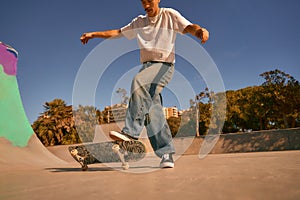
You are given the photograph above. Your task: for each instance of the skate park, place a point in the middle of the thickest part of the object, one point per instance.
(258, 165)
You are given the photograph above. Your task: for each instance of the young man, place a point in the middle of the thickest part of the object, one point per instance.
(156, 33)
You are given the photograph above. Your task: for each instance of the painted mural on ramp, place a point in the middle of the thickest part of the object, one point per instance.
(18, 142)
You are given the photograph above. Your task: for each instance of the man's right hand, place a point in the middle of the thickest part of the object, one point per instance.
(86, 37)
(203, 34)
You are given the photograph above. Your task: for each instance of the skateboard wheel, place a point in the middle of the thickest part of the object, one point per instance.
(125, 166)
(116, 148)
(74, 152)
(84, 168)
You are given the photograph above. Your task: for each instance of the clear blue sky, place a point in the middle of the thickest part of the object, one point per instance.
(248, 37)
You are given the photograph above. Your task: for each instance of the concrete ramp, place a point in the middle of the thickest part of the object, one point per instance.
(33, 155)
(18, 143)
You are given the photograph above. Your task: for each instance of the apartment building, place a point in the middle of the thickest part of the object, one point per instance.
(117, 112)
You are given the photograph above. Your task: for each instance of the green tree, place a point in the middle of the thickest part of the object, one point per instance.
(247, 108)
(123, 93)
(204, 117)
(232, 114)
(174, 124)
(274, 104)
(86, 120)
(282, 91)
(210, 112)
(187, 124)
(55, 125)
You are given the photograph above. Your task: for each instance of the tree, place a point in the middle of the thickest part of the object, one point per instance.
(56, 124)
(283, 97)
(85, 120)
(232, 114)
(174, 124)
(274, 104)
(202, 96)
(124, 97)
(210, 112)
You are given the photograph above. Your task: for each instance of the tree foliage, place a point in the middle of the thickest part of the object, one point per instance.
(56, 125)
(282, 93)
(85, 120)
(273, 105)
(174, 124)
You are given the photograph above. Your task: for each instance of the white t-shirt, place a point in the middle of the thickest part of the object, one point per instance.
(156, 35)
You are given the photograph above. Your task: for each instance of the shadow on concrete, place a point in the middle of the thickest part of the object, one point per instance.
(96, 169)
(71, 169)
(274, 140)
(261, 141)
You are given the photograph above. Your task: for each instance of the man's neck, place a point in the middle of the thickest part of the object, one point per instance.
(155, 13)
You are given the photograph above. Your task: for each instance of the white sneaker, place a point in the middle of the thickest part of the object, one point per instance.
(167, 161)
(120, 136)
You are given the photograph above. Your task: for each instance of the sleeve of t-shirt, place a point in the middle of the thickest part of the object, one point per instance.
(179, 22)
(129, 30)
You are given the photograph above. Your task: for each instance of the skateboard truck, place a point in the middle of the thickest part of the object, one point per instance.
(116, 148)
(80, 159)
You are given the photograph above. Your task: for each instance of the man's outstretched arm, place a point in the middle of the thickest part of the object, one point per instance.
(196, 30)
(100, 34)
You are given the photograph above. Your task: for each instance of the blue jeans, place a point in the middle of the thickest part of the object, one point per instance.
(145, 105)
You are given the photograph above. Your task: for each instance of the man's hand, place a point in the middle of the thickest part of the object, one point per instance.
(196, 30)
(202, 34)
(86, 37)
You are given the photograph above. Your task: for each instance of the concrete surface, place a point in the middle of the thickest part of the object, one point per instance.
(264, 175)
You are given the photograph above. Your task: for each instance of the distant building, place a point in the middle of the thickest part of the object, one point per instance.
(116, 112)
(171, 112)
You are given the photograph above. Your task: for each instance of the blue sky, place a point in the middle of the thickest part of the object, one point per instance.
(248, 37)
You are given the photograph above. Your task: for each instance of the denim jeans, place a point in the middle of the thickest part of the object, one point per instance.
(145, 107)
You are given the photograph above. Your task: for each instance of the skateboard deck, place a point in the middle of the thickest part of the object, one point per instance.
(107, 152)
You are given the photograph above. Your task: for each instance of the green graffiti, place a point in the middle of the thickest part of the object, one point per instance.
(14, 125)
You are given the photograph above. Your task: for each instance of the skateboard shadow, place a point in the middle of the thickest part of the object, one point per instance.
(96, 169)
(70, 169)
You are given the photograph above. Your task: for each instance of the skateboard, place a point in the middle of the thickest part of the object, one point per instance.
(108, 152)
